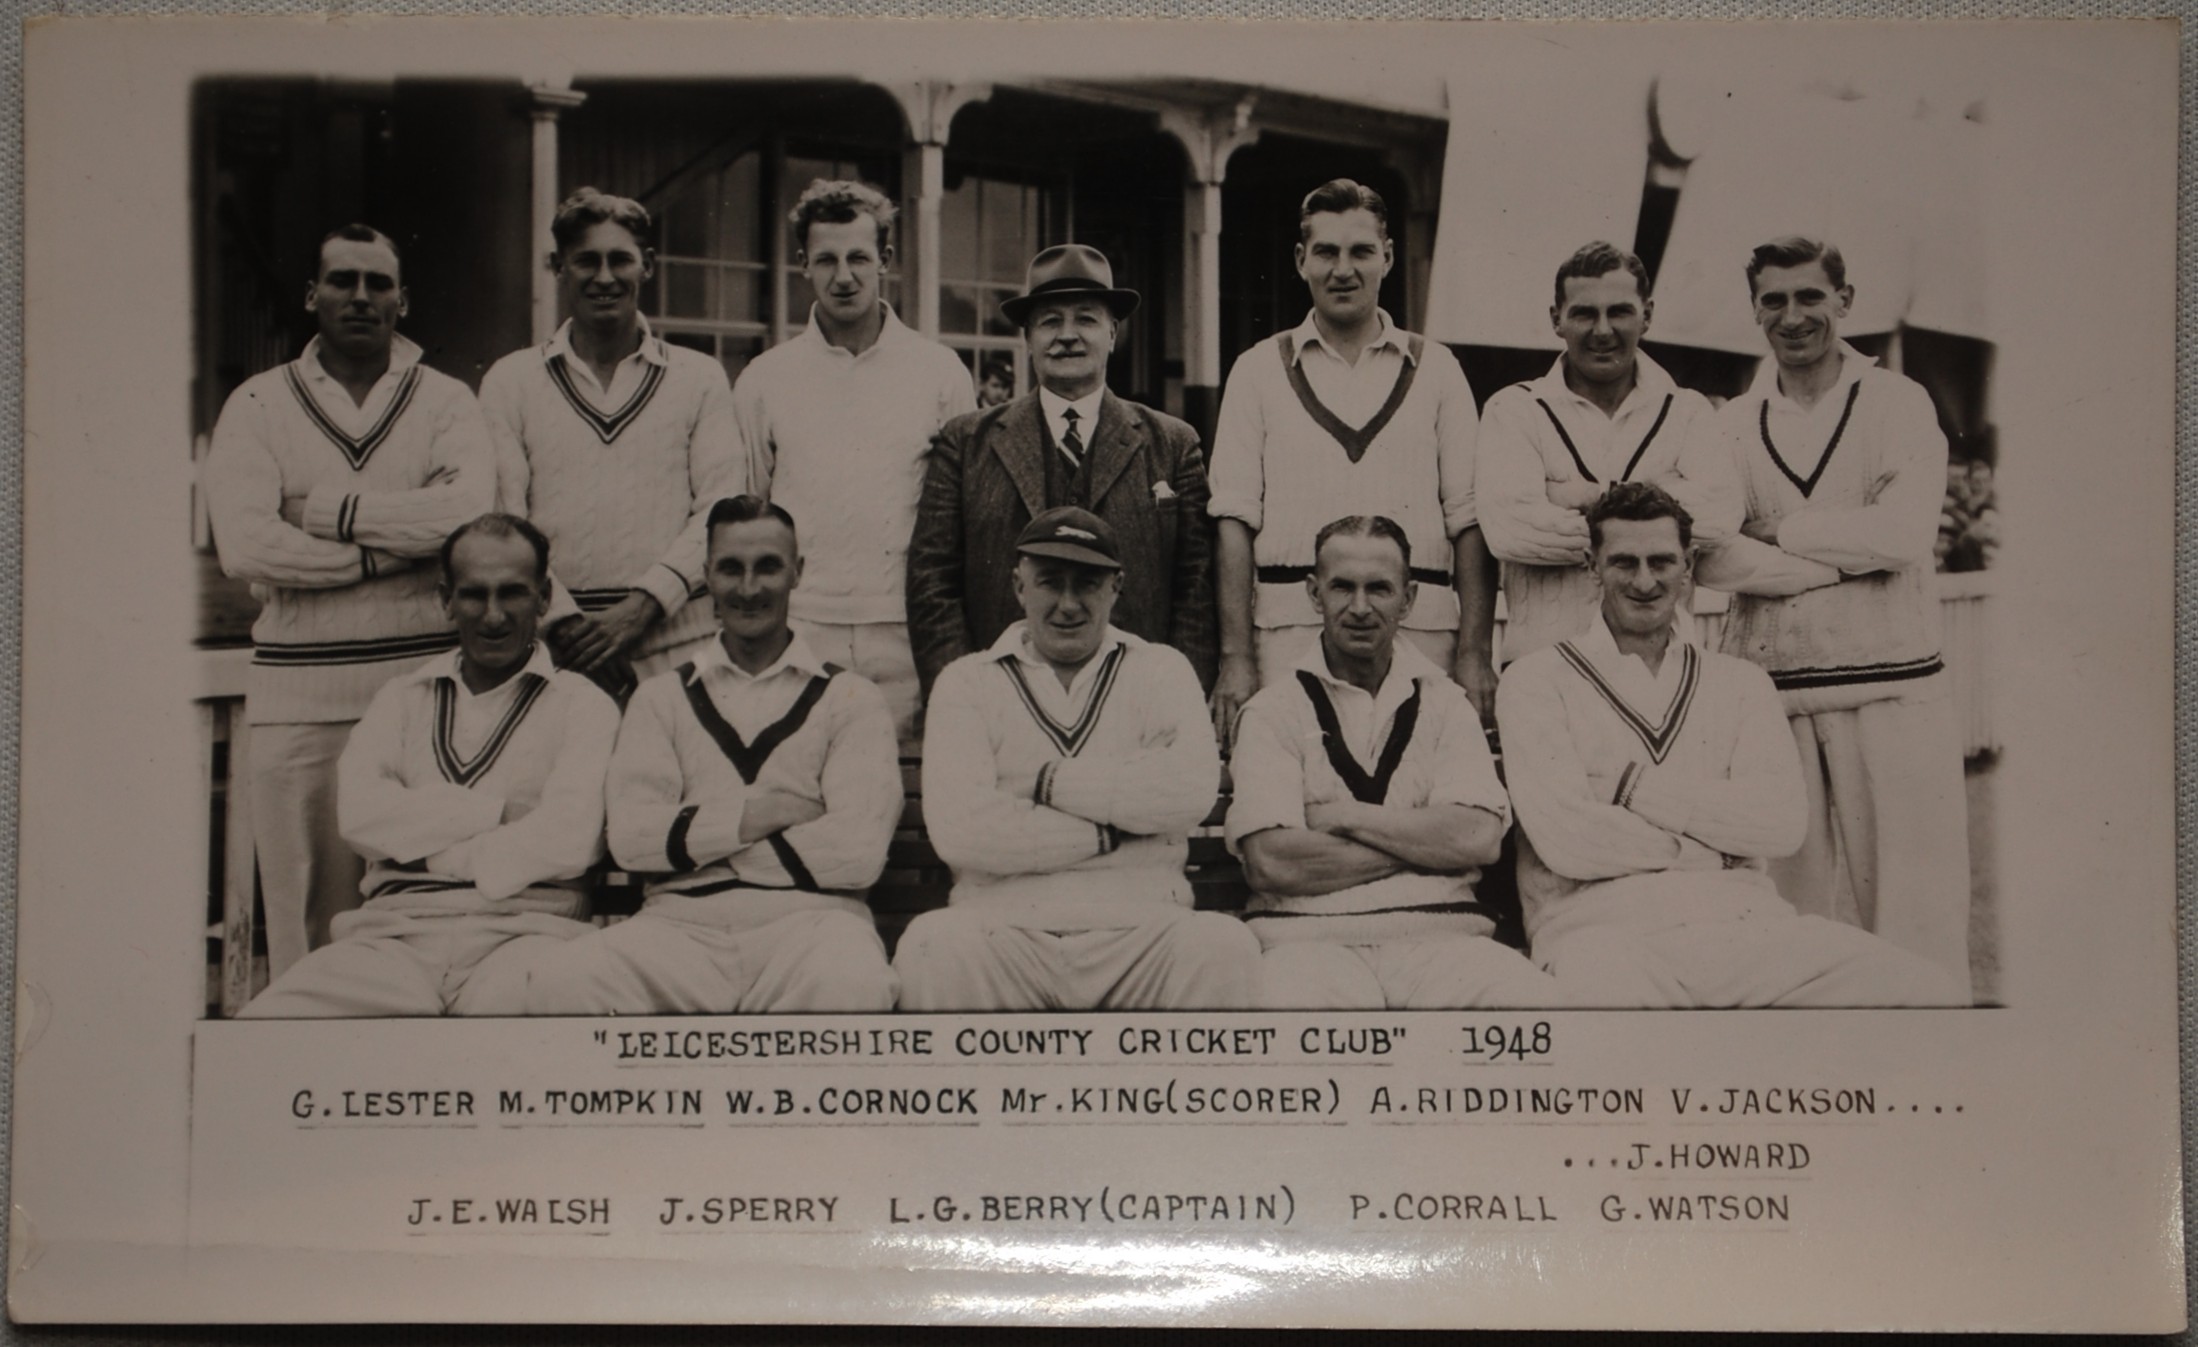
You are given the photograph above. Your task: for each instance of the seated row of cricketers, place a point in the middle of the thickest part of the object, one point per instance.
(1064, 769)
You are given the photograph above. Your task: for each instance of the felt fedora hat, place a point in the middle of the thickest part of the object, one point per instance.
(1069, 271)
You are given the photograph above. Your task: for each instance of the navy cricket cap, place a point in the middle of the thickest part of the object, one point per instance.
(1070, 534)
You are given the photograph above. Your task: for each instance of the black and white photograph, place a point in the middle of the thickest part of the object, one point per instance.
(745, 250)
(767, 654)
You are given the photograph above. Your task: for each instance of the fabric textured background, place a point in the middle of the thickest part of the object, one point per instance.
(11, 497)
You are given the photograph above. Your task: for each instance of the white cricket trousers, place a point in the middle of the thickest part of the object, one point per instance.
(389, 964)
(1888, 843)
(1162, 957)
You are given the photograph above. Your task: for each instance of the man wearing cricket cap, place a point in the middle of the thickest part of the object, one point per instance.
(1069, 441)
(1063, 770)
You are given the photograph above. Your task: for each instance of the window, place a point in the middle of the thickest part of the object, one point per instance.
(989, 229)
(721, 234)
(712, 289)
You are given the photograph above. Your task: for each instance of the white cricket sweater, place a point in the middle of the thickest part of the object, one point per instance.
(838, 440)
(1688, 775)
(335, 511)
(620, 479)
(1416, 743)
(1540, 433)
(1068, 808)
(422, 786)
(1392, 435)
(1855, 484)
(698, 739)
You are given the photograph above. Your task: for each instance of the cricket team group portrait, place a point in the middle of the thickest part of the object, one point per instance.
(854, 516)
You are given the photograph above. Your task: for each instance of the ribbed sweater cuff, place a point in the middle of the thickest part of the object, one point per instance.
(329, 511)
(667, 586)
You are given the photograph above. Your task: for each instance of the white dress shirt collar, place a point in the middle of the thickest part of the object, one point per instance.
(1853, 364)
(450, 666)
(404, 353)
(1086, 408)
(1649, 693)
(1407, 666)
(891, 332)
(796, 658)
(1651, 382)
(651, 350)
(1307, 335)
(1015, 643)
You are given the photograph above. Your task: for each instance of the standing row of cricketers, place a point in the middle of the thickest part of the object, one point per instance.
(1075, 617)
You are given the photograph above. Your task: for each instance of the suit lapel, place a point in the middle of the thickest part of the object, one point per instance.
(1018, 440)
(1115, 442)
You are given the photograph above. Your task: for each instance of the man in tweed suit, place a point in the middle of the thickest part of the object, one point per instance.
(1070, 443)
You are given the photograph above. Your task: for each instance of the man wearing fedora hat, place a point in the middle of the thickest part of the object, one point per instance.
(1063, 770)
(1069, 443)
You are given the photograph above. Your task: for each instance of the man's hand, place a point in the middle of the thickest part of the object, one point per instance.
(1472, 671)
(627, 620)
(582, 643)
(1233, 686)
(568, 636)
(1575, 494)
(1762, 529)
(770, 812)
(293, 511)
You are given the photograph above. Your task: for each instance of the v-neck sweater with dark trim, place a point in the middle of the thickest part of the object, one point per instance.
(1289, 754)
(347, 593)
(1874, 635)
(676, 798)
(1537, 434)
(438, 844)
(1596, 803)
(1282, 473)
(627, 513)
(1068, 820)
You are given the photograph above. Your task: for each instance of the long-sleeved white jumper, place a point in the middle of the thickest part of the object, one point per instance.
(1686, 777)
(431, 769)
(698, 740)
(1855, 484)
(1069, 805)
(621, 478)
(334, 511)
(1538, 434)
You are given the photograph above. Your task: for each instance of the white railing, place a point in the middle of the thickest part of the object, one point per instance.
(219, 693)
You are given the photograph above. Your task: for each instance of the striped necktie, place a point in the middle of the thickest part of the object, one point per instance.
(1072, 444)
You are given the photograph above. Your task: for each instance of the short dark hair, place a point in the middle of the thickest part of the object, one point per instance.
(1337, 196)
(841, 201)
(587, 208)
(746, 509)
(1793, 250)
(1638, 502)
(1600, 259)
(1364, 526)
(494, 525)
(999, 365)
(354, 233)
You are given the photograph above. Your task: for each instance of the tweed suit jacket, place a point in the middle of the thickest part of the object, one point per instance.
(984, 479)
